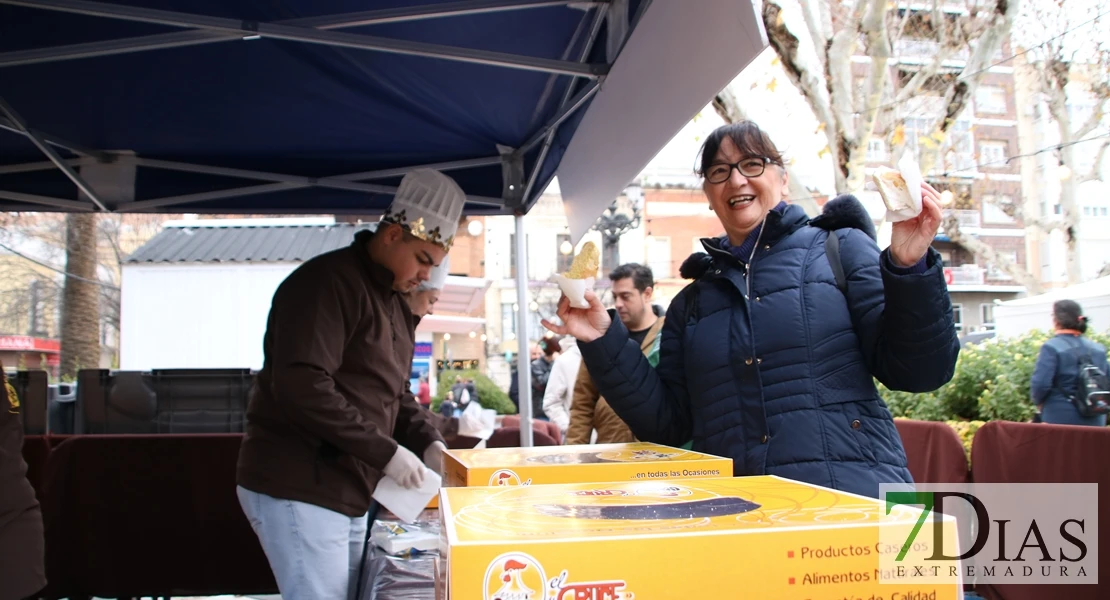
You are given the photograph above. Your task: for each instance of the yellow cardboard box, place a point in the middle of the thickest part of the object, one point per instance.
(751, 537)
(577, 464)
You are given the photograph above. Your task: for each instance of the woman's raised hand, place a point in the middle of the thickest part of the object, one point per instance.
(910, 240)
(584, 324)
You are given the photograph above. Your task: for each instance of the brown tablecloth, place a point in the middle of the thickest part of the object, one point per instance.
(1006, 452)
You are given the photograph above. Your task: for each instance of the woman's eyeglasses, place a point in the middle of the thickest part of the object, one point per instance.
(749, 167)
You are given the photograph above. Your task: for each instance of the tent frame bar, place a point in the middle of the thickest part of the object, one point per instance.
(549, 134)
(74, 205)
(51, 154)
(355, 19)
(252, 29)
(7, 124)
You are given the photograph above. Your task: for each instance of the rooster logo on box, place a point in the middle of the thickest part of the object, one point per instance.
(505, 478)
(515, 576)
(518, 576)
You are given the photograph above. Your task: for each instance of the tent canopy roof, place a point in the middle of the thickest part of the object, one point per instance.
(249, 106)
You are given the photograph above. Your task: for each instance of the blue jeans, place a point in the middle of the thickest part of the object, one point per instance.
(314, 552)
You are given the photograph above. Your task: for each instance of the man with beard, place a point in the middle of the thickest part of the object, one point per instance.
(633, 289)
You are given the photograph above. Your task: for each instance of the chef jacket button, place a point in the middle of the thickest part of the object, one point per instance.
(763, 440)
(856, 424)
(748, 361)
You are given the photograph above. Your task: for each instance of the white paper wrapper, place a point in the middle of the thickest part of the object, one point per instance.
(574, 289)
(405, 503)
(912, 174)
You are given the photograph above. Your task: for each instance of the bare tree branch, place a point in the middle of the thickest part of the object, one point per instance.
(1095, 174)
(819, 29)
(811, 83)
(874, 25)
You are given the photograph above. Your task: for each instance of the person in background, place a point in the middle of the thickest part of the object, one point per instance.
(424, 392)
(332, 411)
(769, 357)
(560, 386)
(22, 543)
(541, 372)
(1056, 373)
(633, 291)
(422, 301)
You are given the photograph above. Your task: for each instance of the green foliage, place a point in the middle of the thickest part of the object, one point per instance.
(489, 395)
(991, 383)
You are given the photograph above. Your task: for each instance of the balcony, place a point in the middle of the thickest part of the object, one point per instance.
(966, 218)
(965, 275)
(919, 50)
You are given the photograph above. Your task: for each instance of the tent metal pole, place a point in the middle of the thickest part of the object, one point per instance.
(523, 366)
(325, 182)
(595, 30)
(467, 163)
(40, 166)
(74, 205)
(316, 36)
(51, 154)
(192, 38)
(57, 141)
(267, 188)
(567, 109)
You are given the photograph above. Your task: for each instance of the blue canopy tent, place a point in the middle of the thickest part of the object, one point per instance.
(254, 106)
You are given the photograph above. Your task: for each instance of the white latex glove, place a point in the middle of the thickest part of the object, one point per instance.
(405, 469)
(433, 457)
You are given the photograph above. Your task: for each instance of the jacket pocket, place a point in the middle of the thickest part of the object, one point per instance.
(860, 431)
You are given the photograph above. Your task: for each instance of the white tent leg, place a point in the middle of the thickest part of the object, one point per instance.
(523, 365)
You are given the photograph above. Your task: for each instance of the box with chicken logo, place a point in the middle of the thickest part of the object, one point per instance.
(577, 464)
(750, 537)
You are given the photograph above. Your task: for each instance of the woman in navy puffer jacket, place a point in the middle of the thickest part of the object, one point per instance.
(764, 358)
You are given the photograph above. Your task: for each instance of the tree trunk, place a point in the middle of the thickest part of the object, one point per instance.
(81, 297)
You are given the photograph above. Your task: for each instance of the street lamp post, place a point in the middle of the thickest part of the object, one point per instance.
(614, 223)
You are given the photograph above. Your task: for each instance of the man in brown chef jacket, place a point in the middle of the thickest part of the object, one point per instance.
(22, 549)
(331, 413)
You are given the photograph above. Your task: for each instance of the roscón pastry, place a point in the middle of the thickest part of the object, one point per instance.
(586, 264)
(892, 188)
(581, 275)
(900, 190)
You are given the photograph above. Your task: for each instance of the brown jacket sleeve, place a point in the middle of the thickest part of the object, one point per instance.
(415, 429)
(582, 408)
(311, 314)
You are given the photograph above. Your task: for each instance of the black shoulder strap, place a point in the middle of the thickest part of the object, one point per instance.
(692, 303)
(832, 251)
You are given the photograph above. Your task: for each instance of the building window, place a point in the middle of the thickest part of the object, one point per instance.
(993, 154)
(958, 316)
(992, 209)
(508, 320)
(946, 258)
(659, 257)
(986, 316)
(876, 150)
(563, 261)
(990, 99)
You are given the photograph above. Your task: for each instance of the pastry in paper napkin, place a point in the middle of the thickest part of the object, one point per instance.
(581, 276)
(900, 189)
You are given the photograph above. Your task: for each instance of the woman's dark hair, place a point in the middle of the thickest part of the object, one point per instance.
(1069, 315)
(749, 139)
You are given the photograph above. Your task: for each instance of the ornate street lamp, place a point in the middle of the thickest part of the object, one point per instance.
(616, 221)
